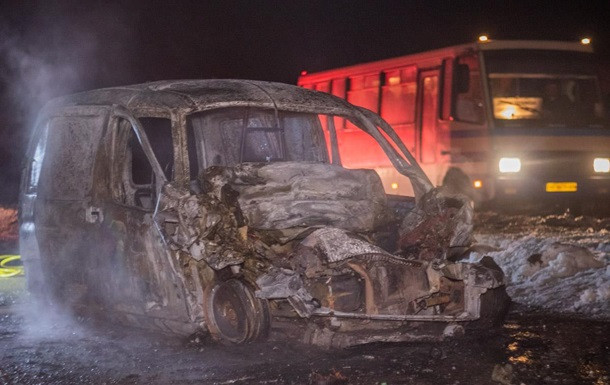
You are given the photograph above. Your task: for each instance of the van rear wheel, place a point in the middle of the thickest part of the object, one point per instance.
(233, 313)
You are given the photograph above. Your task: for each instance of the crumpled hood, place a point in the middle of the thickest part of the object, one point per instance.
(282, 195)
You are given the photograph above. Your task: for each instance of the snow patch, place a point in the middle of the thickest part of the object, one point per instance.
(554, 273)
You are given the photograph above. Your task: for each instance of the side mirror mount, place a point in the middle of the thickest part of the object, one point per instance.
(462, 78)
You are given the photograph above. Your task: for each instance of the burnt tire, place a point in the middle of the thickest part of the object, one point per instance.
(494, 307)
(234, 315)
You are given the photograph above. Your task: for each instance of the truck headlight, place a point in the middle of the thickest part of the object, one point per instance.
(509, 165)
(601, 165)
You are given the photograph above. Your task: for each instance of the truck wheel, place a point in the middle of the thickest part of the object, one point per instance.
(234, 315)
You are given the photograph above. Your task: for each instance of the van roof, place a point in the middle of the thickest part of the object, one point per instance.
(199, 95)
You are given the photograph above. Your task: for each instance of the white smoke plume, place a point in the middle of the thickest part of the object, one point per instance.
(49, 49)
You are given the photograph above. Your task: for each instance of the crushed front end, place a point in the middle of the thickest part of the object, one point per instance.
(303, 249)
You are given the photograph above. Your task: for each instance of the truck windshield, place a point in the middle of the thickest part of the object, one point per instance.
(543, 88)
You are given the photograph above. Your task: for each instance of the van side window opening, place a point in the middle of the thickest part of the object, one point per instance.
(159, 134)
(469, 97)
(137, 182)
(232, 136)
(195, 153)
(141, 170)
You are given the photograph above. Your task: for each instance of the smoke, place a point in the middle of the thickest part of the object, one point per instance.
(50, 49)
(62, 48)
(36, 74)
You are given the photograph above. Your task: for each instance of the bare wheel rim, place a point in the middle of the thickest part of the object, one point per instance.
(260, 317)
(227, 313)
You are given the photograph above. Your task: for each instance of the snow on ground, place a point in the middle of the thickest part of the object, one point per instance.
(559, 264)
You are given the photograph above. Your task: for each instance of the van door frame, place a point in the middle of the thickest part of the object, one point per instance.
(36, 237)
(146, 262)
(54, 231)
(121, 112)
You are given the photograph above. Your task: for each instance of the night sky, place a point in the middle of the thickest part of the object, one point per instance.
(51, 48)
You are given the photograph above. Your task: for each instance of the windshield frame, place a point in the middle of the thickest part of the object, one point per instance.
(365, 120)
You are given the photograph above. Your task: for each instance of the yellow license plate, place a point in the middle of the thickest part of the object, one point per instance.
(561, 187)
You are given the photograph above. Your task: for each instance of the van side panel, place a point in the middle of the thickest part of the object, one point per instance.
(61, 201)
(72, 143)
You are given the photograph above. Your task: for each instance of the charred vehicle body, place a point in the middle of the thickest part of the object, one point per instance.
(222, 206)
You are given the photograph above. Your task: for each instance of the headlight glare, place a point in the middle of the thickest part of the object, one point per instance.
(601, 165)
(509, 165)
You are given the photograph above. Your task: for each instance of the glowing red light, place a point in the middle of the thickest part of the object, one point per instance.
(303, 73)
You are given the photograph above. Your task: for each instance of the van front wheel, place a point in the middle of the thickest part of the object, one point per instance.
(233, 314)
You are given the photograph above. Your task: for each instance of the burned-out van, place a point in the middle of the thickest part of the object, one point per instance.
(222, 206)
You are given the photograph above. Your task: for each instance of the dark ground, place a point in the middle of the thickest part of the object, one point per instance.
(536, 349)
(532, 347)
